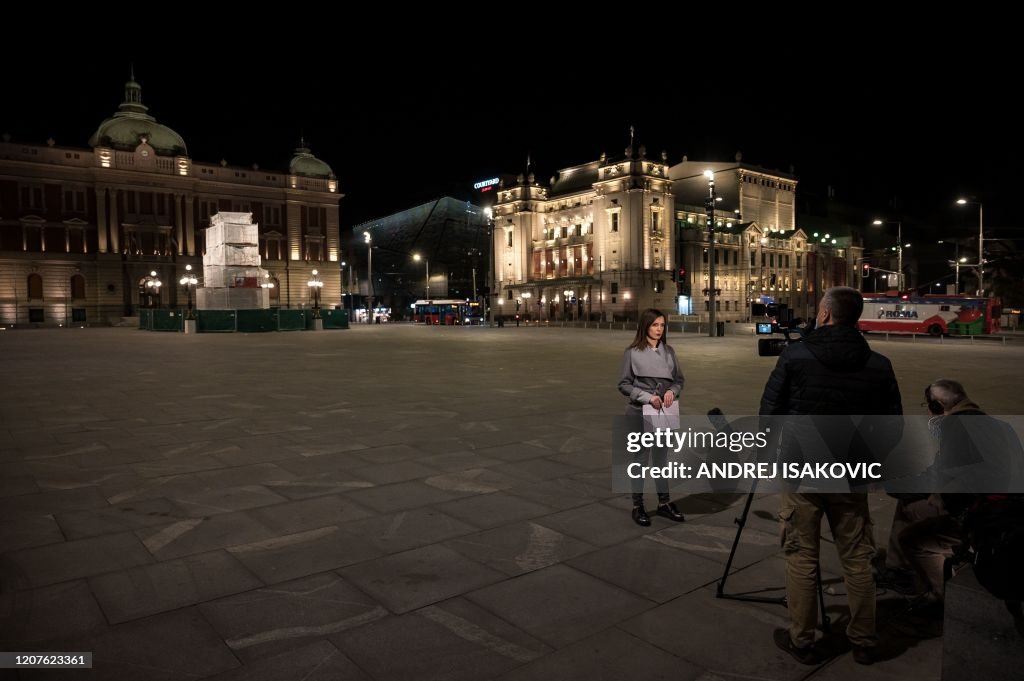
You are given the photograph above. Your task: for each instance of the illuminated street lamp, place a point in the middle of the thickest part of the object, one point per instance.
(188, 281)
(369, 270)
(709, 207)
(315, 285)
(981, 243)
(153, 285)
(417, 258)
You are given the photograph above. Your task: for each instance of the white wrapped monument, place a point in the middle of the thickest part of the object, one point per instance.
(231, 265)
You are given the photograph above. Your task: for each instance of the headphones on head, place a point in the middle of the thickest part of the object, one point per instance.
(934, 406)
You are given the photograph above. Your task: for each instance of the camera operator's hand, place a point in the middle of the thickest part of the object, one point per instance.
(669, 398)
(656, 402)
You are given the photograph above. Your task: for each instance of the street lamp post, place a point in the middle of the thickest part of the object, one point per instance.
(341, 272)
(489, 212)
(956, 262)
(567, 293)
(899, 248)
(153, 285)
(426, 261)
(315, 284)
(709, 206)
(369, 271)
(267, 283)
(189, 281)
(981, 243)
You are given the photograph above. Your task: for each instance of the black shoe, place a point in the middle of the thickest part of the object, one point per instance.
(640, 516)
(670, 511)
(864, 654)
(802, 655)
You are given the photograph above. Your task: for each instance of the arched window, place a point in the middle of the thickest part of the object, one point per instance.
(77, 287)
(35, 287)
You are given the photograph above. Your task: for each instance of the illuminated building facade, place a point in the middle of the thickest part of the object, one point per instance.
(83, 230)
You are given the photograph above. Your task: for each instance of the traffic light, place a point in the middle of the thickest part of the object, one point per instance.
(865, 270)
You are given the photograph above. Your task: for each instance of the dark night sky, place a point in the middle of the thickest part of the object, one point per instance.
(913, 125)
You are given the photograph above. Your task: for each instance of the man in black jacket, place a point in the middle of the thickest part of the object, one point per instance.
(832, 372)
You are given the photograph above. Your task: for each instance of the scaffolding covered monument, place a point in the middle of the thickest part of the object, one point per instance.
(231, 265)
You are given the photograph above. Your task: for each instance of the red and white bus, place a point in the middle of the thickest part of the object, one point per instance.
(932, 314)
(446, 312)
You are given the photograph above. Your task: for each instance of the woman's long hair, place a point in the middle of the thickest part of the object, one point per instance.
(647, 318)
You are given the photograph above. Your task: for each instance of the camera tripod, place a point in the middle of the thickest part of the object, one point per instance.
(718, 419)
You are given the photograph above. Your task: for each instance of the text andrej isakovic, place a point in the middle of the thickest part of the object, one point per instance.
(664, 438)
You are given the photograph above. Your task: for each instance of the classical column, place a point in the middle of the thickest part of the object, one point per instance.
(101, 218)
(115, 223)
(190, 226)
(179, 227)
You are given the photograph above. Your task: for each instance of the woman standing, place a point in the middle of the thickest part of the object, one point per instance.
(651, 375)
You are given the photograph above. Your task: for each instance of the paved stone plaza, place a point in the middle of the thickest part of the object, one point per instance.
(394, 503)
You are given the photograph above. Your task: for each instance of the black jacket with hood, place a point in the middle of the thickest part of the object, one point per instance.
(832, 371)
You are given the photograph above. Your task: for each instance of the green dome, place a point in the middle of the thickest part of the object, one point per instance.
(126, 128)
(305, 163)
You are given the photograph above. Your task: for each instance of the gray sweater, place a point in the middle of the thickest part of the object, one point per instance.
(650, 372)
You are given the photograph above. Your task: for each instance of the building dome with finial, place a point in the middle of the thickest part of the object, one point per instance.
(306, 164)
(131, 125)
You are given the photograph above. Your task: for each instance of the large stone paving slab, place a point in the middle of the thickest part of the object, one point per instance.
(611, 654)
(393, 471)
(56, 563)
(177, 646)
(714, 542)
(207, 502)
(596, 524)
(406, 530)
(411, 580)
(519, 548)
(723, 636)
(404, 496)
(319, 661)
(291, 615)
(198, 535)
(48, 612)
(492, 510)
(560, 605)
(304, 553)
(562, 493)
(27, 529)
(151, 589)
(119, 518)
(649, 568)
(296, 516)
(318, 484)
(451, 641)
(53, 501)
(472, 481)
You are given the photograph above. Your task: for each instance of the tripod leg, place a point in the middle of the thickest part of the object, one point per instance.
(740, 522)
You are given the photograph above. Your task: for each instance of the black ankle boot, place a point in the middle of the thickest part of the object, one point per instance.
(670, 511)
(640, 516)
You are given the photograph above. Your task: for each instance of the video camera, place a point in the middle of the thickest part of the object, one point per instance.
(781, 321)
